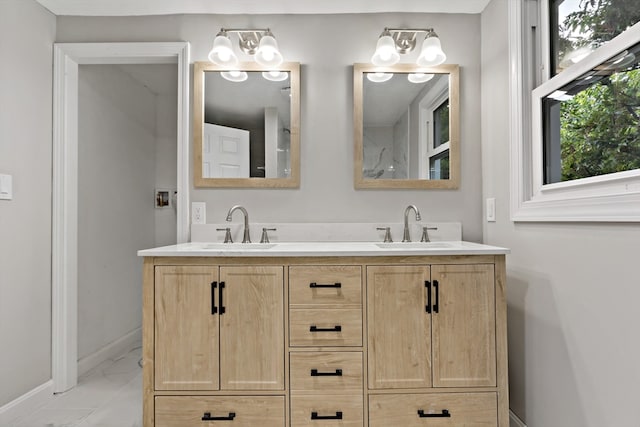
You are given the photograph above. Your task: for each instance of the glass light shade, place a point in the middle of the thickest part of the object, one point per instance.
(419, 77)
(235, 76)
(222, 53)
(431, 53)
(268, 54)
(275, 76)
(379, 77)
(386, 53)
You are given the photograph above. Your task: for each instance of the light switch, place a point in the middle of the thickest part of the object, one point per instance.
(491, 209)
(6, 187)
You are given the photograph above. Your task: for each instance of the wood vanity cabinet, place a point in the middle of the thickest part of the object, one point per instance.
(325, 341)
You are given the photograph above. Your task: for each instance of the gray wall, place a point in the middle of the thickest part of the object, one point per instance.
(116, 214)
(326, 46)
(572, 288)
(27, 32)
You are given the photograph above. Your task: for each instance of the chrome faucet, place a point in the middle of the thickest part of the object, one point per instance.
(407, 237)
(246, 238)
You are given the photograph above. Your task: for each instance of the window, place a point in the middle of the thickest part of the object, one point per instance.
(435, 142)
(576, 136)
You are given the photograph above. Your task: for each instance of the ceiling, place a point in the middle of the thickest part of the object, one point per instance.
(166, 7)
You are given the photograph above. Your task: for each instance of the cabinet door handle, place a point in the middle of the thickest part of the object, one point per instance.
(207, 417)
(222, 309)
(314, 328)
(427, 284)
(337, 373)
(214, 286)
(337, 416)
(319, 285)
(436, 306)
(445, 414)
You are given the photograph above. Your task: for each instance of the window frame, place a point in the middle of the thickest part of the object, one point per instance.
(434, 98)
(606, 198)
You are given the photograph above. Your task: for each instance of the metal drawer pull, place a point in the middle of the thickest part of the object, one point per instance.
(436, 306)
(207, 417)
(314, 328)
(337, 416)
(222, 308)
(319, 285)
(445, 414)
(214, 286)
(337, 373)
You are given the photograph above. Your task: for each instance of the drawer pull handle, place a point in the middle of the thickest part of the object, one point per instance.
(207, 417)
(337, 416)
(445, 414)
(436, 306)
(337, 373)
(427, 284)
(319, 285)
(222, 308)
(214, 286)
(314, 328)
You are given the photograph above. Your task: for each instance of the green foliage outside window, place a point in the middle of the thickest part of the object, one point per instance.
(600, 126)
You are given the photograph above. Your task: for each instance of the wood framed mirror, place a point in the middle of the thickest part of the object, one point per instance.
(406, 126)
(246, 126)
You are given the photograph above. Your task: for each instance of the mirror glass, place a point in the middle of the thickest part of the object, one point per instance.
(246, 126)
(406, 126)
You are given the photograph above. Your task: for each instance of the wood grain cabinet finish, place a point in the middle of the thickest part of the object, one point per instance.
(402, 341)
(219, 330)
(237, 411)
(433, 410)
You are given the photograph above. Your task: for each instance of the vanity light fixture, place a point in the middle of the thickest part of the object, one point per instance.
(234, 76)
(419, 77)
(393, 42)
(275, 75)
(379, 77)
(260, 43)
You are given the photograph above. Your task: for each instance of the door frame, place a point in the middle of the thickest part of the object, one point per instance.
(64, 245)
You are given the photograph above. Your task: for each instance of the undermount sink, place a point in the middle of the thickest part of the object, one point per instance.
(414, 245)
(238, 246)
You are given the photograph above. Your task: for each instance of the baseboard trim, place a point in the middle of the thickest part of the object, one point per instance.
(26, 404)
(514, 421)
(110, 351)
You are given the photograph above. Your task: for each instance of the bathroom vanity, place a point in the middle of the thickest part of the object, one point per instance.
(325, 334)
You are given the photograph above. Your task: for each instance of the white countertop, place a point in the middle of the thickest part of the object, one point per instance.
(317, 249)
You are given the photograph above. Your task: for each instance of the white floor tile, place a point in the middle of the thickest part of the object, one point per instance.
(110, 395)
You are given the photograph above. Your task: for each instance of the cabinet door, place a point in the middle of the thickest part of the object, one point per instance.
(186, 332)
(399, 327)
(464, 343)
(252, 328)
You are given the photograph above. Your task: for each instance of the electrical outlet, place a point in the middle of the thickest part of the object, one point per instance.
(491, 209)
(198, 213)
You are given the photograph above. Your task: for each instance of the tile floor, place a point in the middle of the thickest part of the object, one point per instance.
(110, 395)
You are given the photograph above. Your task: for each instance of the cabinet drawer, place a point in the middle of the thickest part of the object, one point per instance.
(335, 372)
(325, 327)
(326, 410)
(181, 411)
(464, 410)
(325, 285)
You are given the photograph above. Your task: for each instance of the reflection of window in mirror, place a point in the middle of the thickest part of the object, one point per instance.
(435, 139)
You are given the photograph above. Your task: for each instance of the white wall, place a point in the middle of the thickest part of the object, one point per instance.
(116, 214)
(572, 288)
(166, 151)
(326, 46)
(27, 32)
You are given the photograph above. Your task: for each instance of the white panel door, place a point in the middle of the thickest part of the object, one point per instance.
(225, 152)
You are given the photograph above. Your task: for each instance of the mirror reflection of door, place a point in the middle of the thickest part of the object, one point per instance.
(225, 152)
